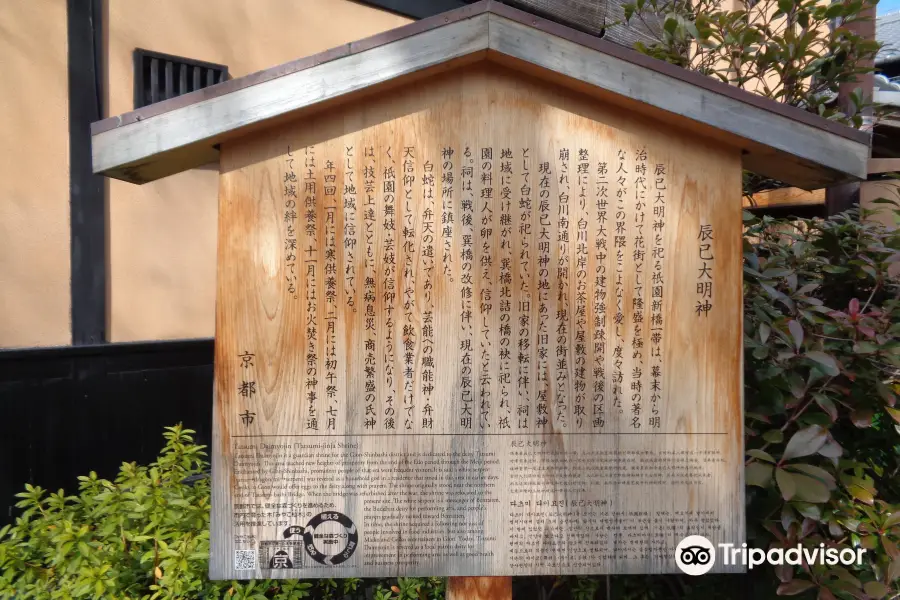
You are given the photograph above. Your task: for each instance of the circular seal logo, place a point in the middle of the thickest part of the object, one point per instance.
(330, 538)
(695, 555)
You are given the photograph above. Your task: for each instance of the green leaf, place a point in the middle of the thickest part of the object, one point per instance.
(861, 494)
(670, 25)
(760, 455)
(805, 442)
(817, 472)
(773, 436)
(796, 330)
(827, 405)
(876, 589)
(810, 489)
(828, 363)
(785, 483)
(759, 474)
(892, 520)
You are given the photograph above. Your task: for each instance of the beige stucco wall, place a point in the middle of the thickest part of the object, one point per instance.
(872, 190)
(34, 175)
(163, 234)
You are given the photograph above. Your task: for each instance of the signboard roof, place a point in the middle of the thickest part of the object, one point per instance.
(777, 140)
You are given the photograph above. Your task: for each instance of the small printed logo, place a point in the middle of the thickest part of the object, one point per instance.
(281, 560)
(329, 538)
(695, 555)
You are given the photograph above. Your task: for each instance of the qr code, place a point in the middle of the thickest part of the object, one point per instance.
(244, 560)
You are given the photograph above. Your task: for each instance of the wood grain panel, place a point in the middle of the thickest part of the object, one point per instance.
(455, 371)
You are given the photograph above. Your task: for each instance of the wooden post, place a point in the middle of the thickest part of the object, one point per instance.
(479, 588)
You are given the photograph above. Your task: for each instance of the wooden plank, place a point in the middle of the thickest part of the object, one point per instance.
(785, 197)
(479, 588)
(606, 19)
(780, 142)
(453, 366)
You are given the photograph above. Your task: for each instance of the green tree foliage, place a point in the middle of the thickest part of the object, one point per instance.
(797, 52)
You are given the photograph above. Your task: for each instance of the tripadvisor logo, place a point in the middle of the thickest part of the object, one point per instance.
(696, 555)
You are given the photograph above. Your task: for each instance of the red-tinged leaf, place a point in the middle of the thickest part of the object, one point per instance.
(890, 547)
(826, 361)
(784, 573)
(853, 308)
(827, 405)
(792, 588)
(893, 570)
(807, 527)
(866, 331)
(861, 494)
(869, 542)
(892, 521)
(805, 442)
(862, 418)
(825, 594)
(796, 330)
(876, 590)
(893, 412)
(785, 483)
(759, 474)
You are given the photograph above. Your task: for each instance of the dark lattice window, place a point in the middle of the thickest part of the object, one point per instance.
(160, 76)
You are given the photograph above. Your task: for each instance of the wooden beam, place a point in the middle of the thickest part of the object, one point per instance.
(785, 197)
(479, 588)
(87, 191)
(417, 9)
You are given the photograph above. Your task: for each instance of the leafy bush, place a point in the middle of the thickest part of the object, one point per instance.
(822, 351)
(145, 535)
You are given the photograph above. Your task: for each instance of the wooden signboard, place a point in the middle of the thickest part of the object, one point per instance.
(475, 327)
(479, 299)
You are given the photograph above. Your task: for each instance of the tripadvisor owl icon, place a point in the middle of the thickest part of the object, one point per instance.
(695, 555)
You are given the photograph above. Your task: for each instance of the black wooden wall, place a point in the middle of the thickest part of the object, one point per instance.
(67, 411)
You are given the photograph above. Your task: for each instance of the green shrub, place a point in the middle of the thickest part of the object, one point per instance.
(144, 535)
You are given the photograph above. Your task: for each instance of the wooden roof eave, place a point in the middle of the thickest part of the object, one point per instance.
(777, 141)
